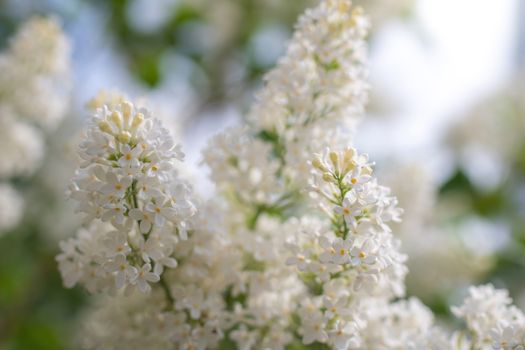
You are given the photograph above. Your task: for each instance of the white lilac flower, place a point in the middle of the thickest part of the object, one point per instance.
(508, 337)
(313, 329)
(277, 338)
(126, 179)
(488, 313)
(365, 254)
(35, 73)
(360, 224)
(394, 325)
(144, 275)
(243, 163)
(343, 336)
(244, 338)
(492, 323)
(121, 269)
(355, 259)
(319, 84)
(22, 147)
(249, 272)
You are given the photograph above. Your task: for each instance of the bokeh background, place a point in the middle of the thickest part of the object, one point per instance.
(446, 127)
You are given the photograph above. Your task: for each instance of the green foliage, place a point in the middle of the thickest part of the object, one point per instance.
(35, 309)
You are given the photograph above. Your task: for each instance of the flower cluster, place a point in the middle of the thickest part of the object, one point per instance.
(258, 266)
(126, 178)
(35, 73)
(34, 97)
(22, 146)
(492, 324)
(354, 259)
(395, 325)
(240, 161)
(319, 84)
(491, 319)
(262, 168)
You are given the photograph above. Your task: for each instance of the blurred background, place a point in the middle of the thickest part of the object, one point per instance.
(446, 128)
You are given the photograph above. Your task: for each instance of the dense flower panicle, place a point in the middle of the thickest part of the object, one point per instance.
(492, 323)
(270, 292)
(353, 259)
(22, 147)
(260, 266)
(127, 179)
(395, 325)
(34, 95)
(242, 164)
(360, 211)
(35, 73)
(492, 319)
(322, 75)
(319, 85)
(196, 317)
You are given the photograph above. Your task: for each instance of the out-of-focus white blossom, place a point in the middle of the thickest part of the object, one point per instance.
(492, 323)
(488, 139)
(427, 240)
(22, 147)
(316, 87)
(381, 12)
(319, 85)
(11, 207)
(127, 179)
(322, 74)
(34, 97)
(239, 160)
(394, 326)
(35, 73)
(491, 319)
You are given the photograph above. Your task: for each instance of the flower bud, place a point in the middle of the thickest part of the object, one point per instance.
(334, 159)
(116, 119)
(105, 127)
(124, 136)
(126, 111)
(139, 118)
(328, 177)
(318, 164)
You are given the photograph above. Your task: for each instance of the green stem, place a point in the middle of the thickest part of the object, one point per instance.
(167, 293)
(252, 220)
(134, 194)
(162, 281)
(340, 199)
